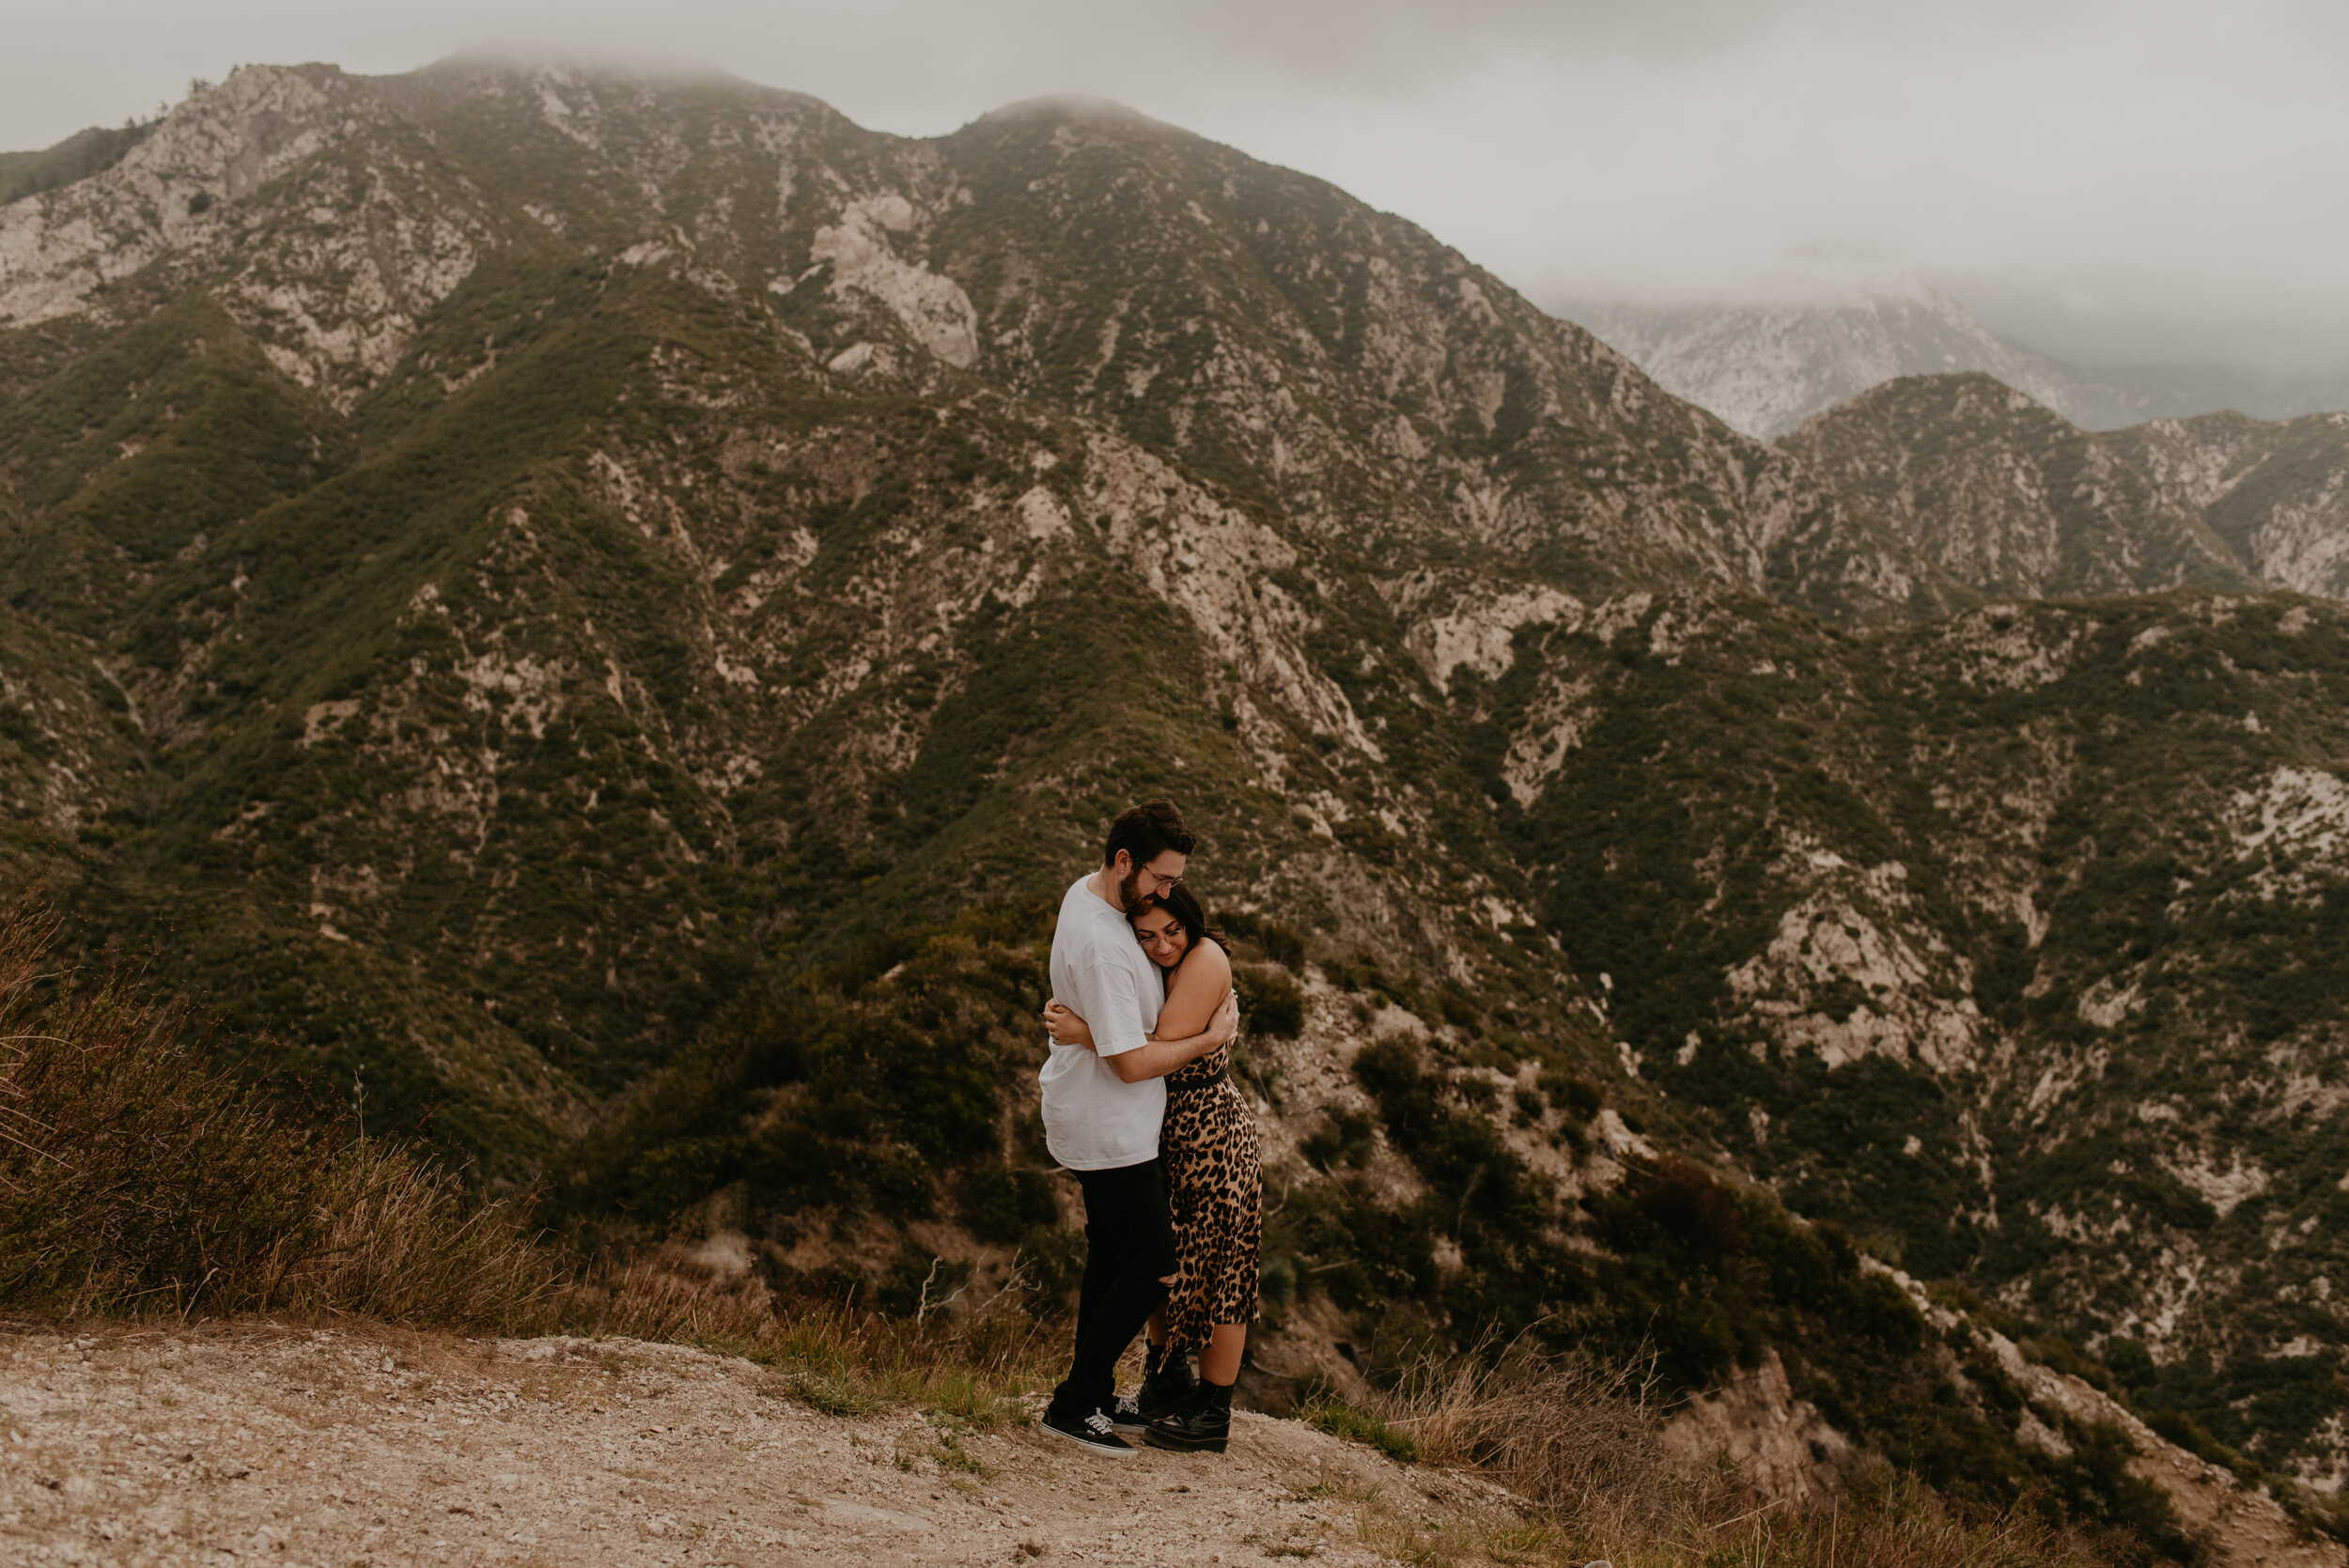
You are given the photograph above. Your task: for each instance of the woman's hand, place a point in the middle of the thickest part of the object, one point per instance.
(1065, 1027)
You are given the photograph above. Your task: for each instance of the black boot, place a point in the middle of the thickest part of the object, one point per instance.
(1167, 1380)
(1202, 1423)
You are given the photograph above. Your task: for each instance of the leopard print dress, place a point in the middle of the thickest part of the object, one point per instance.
(1215, 1191)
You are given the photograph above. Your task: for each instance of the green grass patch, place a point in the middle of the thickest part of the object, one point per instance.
(1356, 1425)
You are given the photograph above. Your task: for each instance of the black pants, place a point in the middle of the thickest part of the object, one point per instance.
(1129, 1245)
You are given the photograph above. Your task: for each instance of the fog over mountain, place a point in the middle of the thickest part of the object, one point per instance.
(1765, 367)
(2108, 182)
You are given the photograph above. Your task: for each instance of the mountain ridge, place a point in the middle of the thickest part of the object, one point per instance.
(2001, 492)
(1765, 367)
(605, 611)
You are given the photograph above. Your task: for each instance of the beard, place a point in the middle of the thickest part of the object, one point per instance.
(1126, 893)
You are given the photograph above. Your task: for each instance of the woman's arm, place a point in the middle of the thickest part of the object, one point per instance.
(1195, 990)
(1064, 1027)
(1160, 1057)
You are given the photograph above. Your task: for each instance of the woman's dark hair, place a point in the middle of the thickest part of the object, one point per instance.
(1148, 830)
(1183, 903)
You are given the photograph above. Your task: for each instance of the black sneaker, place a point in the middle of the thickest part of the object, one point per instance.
(1201, 1424)
(1092, 1429)
(1162, 1390)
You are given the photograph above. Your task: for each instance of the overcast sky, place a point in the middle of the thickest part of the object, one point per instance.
(2109, 180)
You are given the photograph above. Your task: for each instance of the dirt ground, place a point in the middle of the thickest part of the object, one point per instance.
(364, 1446)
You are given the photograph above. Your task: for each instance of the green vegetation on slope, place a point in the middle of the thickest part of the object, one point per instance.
(79, 156)
(633, 732)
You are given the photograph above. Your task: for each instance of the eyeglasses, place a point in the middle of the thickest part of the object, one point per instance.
(1147, 937)
(1166, 884)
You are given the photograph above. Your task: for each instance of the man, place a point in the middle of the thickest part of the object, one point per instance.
(1102, 1109)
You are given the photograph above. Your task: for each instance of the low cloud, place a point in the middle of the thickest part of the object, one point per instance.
(2116, 181)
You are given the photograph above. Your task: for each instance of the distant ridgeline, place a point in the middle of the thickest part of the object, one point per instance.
(78, 157)
(1766, 368)
(606, 611)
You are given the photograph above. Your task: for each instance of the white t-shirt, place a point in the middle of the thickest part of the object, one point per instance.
(1092, 1119)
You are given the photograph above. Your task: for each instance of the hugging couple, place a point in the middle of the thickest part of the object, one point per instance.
(1140, 1105)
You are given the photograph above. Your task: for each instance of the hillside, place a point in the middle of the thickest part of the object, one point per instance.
(1766, 367)
(384, 507)
(2001, 492)
(596, 615)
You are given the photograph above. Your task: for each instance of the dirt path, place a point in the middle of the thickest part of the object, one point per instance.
(364, 1446)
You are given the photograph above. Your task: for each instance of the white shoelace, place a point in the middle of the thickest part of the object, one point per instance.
(1099, 1422)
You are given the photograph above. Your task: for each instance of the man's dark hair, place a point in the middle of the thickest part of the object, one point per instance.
(1148, 830)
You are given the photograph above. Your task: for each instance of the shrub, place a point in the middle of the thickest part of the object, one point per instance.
(1883, 1311)
(1270, 1000)
(1579, 1097)
(1344, 1136)
(1000, 1203)
(1284, 944)
(2054, 1350)
(137, 1174)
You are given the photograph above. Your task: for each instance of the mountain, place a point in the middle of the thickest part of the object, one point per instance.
(1766, 367)
(596, 615)
(1997, 491)
(78, 157)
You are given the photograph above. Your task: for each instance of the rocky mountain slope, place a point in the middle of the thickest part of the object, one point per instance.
(386, 506)
(1766, 367)
(598, 613)
(2002, 493)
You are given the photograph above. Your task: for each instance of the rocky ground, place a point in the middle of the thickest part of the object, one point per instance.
(359, 1445)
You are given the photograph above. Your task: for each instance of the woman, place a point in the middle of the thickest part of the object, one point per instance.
(1215, 1184)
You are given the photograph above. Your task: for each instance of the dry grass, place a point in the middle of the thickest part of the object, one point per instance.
(1577, 1440)
(140, 1178)
(975, 1367)
(1902, 1526)
(395, 1236)
(1579, 1447)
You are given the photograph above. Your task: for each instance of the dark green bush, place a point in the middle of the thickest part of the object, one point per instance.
(1579, 1097)
(1284, 944)
(1271, 1003)
(1345, 1136)
(1001, 1204)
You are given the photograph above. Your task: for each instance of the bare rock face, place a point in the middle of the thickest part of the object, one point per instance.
(2005, 495)
(2273, 491)
(1997, 491)
(1756, 1424)
(174, 190)
(324, 225)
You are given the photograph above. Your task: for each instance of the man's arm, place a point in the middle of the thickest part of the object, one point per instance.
(1162, 1057)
